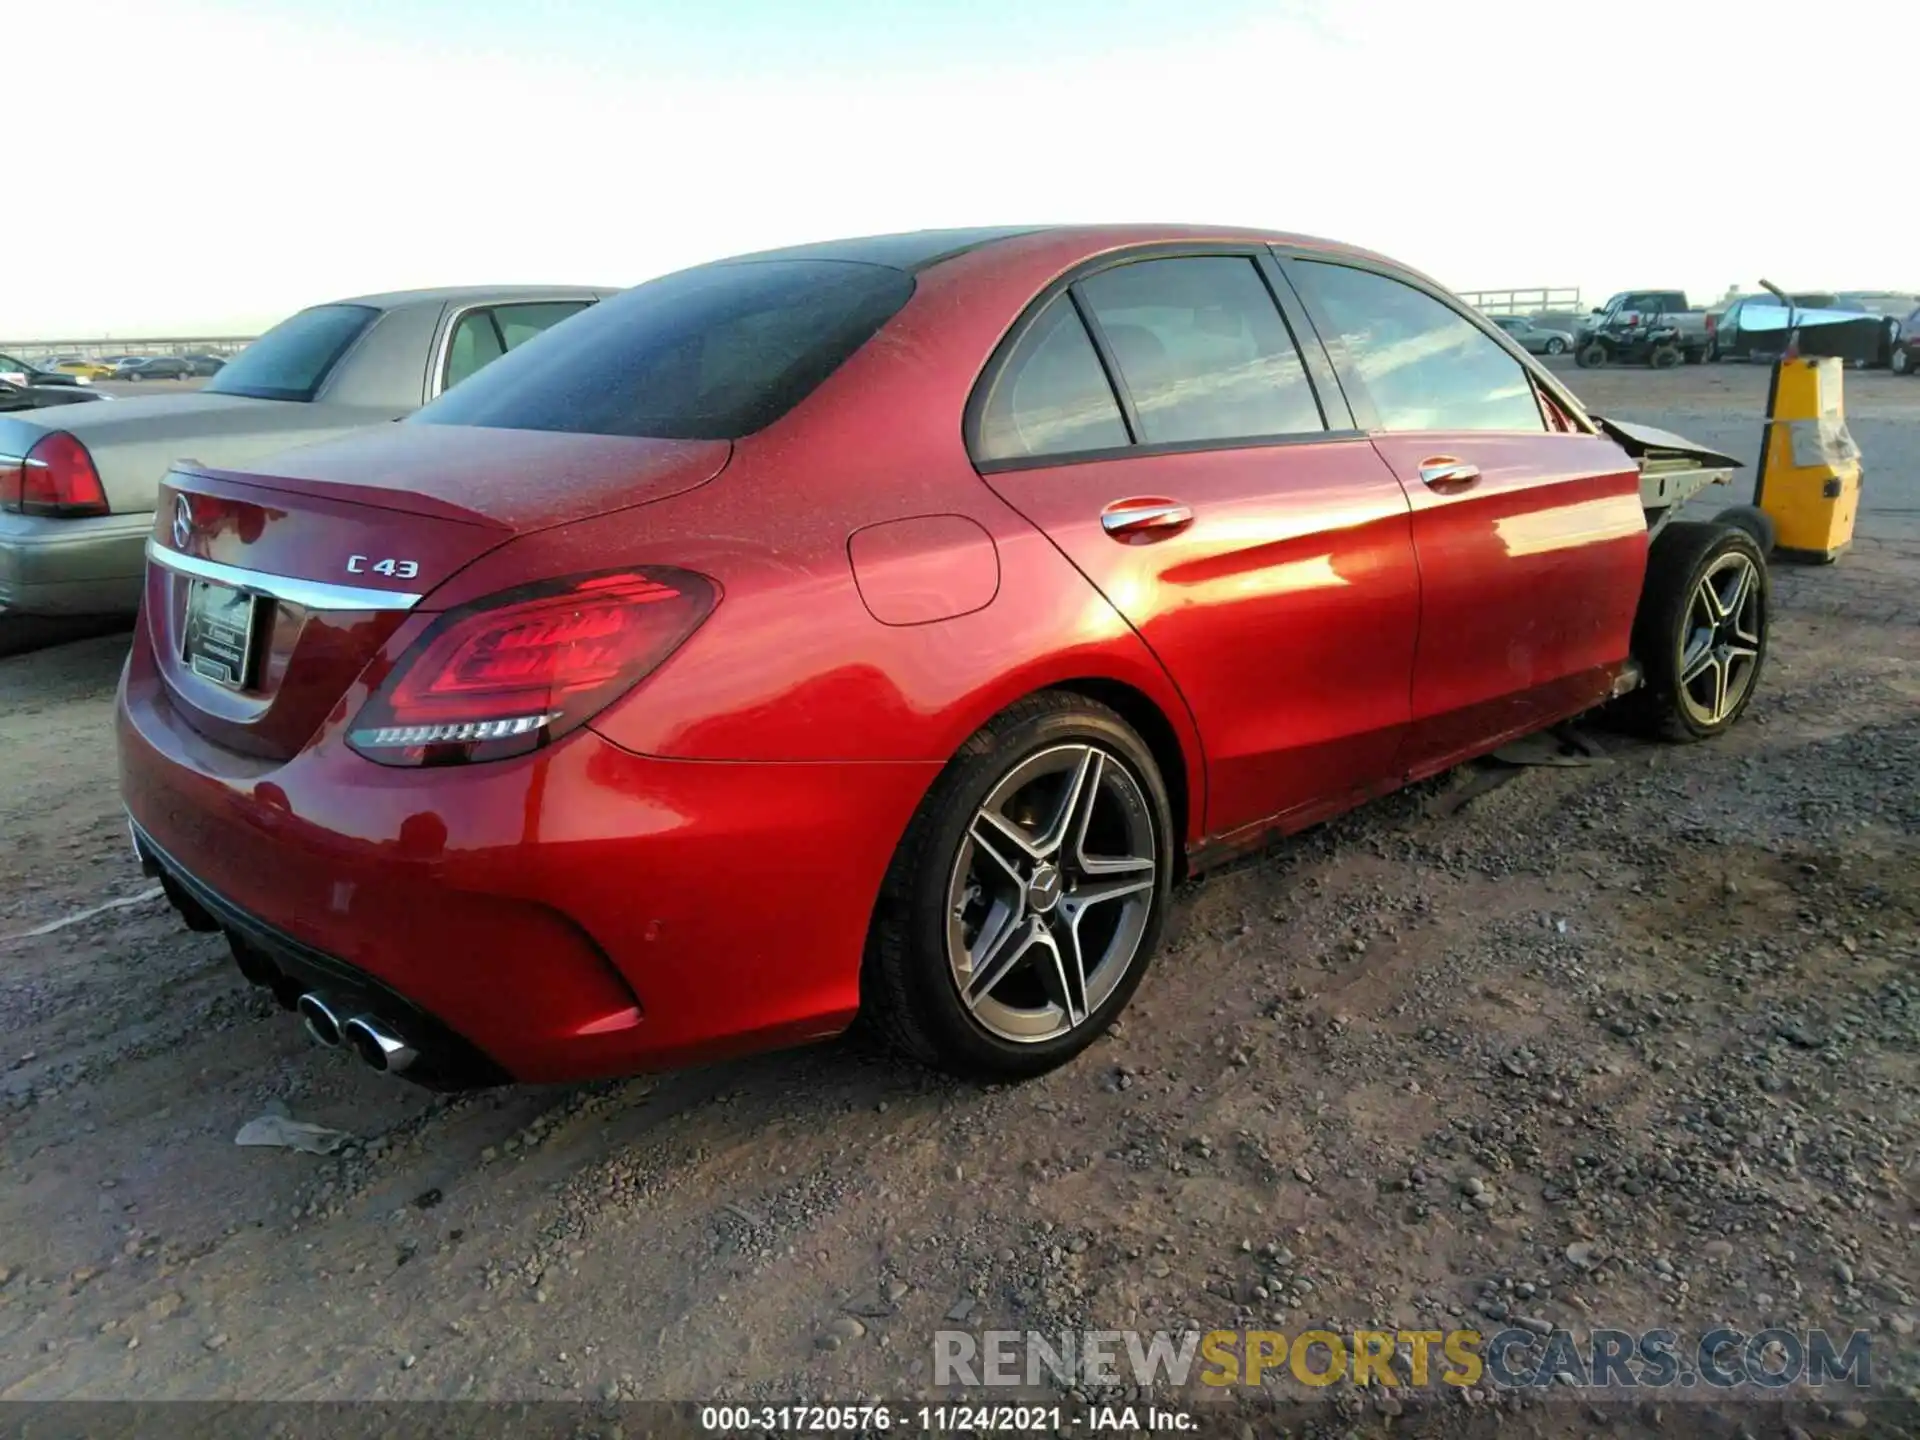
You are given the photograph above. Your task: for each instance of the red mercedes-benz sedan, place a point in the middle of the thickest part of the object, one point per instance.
(876, 627)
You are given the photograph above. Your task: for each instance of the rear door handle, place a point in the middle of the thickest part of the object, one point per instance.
(1443, 472)
(1139, 520)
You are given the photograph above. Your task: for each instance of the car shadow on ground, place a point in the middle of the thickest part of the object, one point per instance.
(21, 633)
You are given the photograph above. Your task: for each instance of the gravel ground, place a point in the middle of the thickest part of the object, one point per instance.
(1627, 1044)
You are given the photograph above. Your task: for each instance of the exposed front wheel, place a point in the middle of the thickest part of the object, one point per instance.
(1027, 896)
(1755, 521)
(1591, 357)
(1701, 632)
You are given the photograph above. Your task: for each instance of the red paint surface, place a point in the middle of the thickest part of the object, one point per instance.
(923, 569)
(1529, 579)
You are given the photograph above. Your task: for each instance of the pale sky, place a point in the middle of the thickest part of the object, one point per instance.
(225, 162)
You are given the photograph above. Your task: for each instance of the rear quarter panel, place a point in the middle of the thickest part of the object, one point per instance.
(794, 666)
(387, 367)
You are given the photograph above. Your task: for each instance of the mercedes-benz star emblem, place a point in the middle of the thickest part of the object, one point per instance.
(182, 521)
(1043, 890)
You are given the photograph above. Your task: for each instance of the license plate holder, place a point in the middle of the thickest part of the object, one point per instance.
(219, 633)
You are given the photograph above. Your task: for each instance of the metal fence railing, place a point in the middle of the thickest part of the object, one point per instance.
(38, 350)
(1539, 300)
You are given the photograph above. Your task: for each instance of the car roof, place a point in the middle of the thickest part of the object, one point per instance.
(922, 249)
(441, 295)
(906, 250)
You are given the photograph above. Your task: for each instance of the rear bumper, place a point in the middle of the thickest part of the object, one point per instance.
(576, 913)
(72, 567)
(269, 956)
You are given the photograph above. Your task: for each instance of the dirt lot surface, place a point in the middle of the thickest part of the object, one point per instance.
(1633, 1044)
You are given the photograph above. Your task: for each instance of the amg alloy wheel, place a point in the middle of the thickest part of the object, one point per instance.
(1721, 652)
(1701, 632)
(1027, 897)
(1050, 893)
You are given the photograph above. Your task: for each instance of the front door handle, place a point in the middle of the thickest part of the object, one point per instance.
(1140, 520)
(1443, 472)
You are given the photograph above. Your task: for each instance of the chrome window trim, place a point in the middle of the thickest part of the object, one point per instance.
(443, 348)
(309, 594)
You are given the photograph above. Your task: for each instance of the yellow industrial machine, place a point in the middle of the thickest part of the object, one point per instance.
(1809, 476)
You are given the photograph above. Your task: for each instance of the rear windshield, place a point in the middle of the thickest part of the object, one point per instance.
(292, 360)
(713, 353)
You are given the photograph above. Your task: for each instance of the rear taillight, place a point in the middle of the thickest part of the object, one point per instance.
(516, 671)
(55, 477)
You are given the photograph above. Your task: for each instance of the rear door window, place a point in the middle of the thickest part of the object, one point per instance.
(482, 336)
(1202, 350)
(1051, 397)
(520, 323)
(1424, 365)
(476, 343)
(713, 353)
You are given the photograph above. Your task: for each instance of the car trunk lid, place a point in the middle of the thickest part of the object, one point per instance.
(133, 440)
(270, 594)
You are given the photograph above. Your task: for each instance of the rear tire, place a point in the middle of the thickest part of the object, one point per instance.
(1701, 632)
(971, 961)
(1556, 346)
(1755, 521)
(1664, 357)
(1900, 362)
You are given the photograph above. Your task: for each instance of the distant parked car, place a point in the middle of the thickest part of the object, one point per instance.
(25, 372)
(1890, 308)
(204, 364)
(154, 367)
(1534, 339)
(1862, 326)
(1752, 322)
(20, 396)
(83, 369)
(320, 373)
(1905, 359)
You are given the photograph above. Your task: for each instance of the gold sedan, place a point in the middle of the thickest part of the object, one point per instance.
(85, 369)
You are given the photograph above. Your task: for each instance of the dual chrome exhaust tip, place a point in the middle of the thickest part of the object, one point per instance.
(368, 1037)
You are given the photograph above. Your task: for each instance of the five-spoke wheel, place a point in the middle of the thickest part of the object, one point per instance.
(1050, 893)
(1701, 632)
(1721, 652)
(1028, 895)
